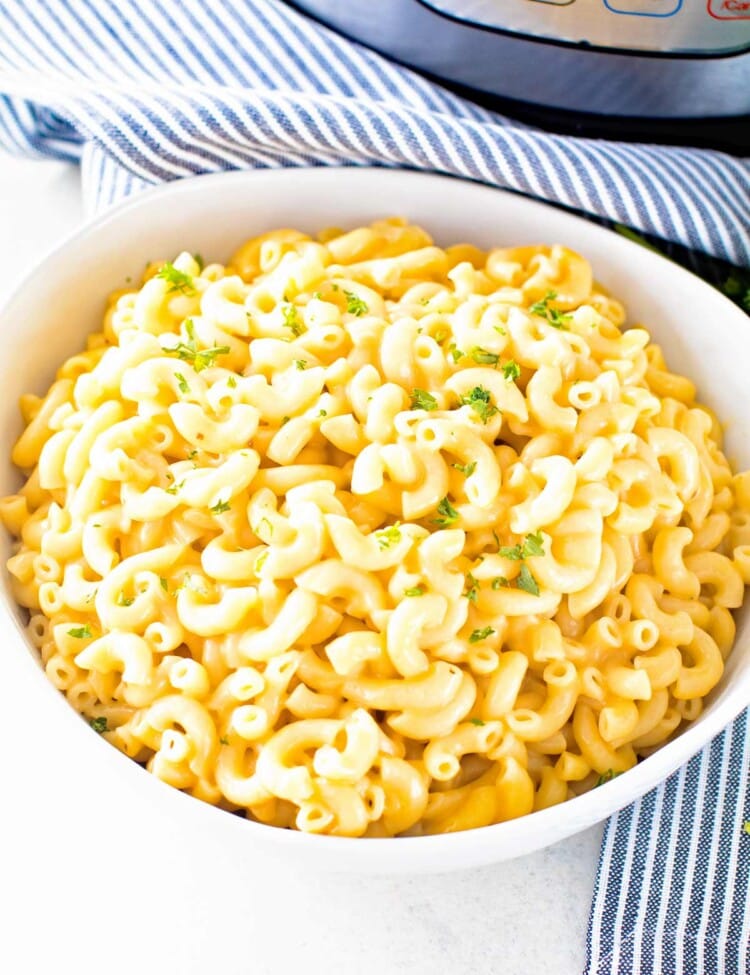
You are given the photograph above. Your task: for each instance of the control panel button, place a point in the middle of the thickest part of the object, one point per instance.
(645, 8)
(729, 9)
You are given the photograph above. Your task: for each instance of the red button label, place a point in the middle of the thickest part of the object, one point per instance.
(729, 9)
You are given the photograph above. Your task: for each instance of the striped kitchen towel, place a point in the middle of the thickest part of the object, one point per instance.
(141, 92)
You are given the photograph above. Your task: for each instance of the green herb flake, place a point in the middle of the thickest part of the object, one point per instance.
(511, 370)
(542, 309)
(388, 536)
(415, 591)
(300, 364)
(261, 560)
(224, 740)
(480, 400)
(441, 335)
(607, 777)
(512, 552)
(81, 632)
(456, 353)
(123, 600)
(163, 583)
(182, 383)
(478, 635)
(99, 725)
(285, 419)
(466, 469)
(500, 582)
(175, 488)
(533, 545)
(220, 507)
(291, 320)
(322, 412)
(199, 261)
(266, 526)
(232, 382)
(355, 305)
(199, 359)
(177, 280)
(527, 582)
(448, 514)
(477, 721)
(422, 400)
(484, 358)
(472, 587)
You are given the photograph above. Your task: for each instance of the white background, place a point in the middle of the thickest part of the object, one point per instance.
(82, 894)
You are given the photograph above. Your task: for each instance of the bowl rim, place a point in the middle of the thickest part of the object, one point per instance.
(581, 811)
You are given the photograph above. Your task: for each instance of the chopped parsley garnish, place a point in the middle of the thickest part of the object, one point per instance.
(500, 582)
(260, 561)
(447, 512)
(422, 400)
(478, 635)
(223, 740)
(123, 600)
(199, 261)
(267, 527)
(182, 383)
(477, 721)
(484, 358)
(480, 400)
(99, 725)
(322, 412)
(189, 352)
(163, 583)
(466, 469)
(533, 545)
(80, 632)
(456, 353)
(541, 308)
(175, 488)
(300, 364)
(355, 305)
(511, 370)
(441, 335)
(527, 582)
(220, 507)
(291, 320)
(231, 382)
(177, 280)
(415, 591)
(192, 454)
(472, 587)
(607, 776)
(388, 536)
(285, 419)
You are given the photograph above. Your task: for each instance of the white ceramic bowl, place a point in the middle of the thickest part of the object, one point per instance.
(703, 334)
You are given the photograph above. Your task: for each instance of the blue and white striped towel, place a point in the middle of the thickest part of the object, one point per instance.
(141, 92)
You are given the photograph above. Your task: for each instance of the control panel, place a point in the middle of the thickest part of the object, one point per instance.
(700, 27)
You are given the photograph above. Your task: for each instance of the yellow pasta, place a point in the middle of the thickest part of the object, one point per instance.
(361, 536)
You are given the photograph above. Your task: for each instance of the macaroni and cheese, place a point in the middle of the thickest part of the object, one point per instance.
(363, 536)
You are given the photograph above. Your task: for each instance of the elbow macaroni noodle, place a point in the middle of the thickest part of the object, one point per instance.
(362, 536)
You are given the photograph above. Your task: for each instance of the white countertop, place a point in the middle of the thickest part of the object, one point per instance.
(73, 902)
